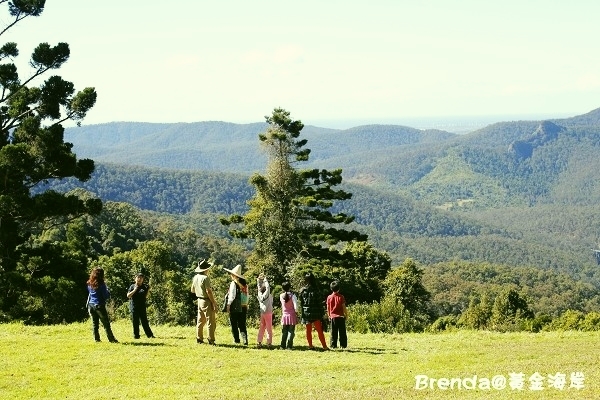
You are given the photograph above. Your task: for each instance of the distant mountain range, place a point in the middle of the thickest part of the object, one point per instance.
(228, 147)
(531, 186)
(519, 162)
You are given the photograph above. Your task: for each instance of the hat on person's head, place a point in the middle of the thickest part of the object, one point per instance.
(237, 271)
(202, 266)
(139, 274)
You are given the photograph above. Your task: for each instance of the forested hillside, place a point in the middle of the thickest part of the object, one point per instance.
(167, 191)
(534, 236)
(227, 147)
(513, 205)
(514, 193)
(519, 163)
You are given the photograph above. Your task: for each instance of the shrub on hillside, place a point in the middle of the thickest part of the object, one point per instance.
(539, 322)
(591, 322)
(479, 312)
(386, 316)
(445, 323)
(568, 321)
(572, 320)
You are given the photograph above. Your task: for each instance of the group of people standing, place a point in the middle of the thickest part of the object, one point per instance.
(312, 308)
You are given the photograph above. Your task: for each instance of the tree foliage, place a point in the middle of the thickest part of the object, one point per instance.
(360, 272)
(32, 152)
(458, 285)
(290, 220)
(509, 308)
(404, 285)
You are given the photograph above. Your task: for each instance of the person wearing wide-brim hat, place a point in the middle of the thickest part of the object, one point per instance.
(237, 304)
(201, 288)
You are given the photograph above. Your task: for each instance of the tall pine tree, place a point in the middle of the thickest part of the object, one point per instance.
(289, 219)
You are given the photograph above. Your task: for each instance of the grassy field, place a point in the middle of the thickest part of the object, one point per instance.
(63, 362)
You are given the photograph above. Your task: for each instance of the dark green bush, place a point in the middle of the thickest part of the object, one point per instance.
(444, 323)
(386, 316)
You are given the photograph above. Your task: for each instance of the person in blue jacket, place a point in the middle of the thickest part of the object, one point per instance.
(98, 295)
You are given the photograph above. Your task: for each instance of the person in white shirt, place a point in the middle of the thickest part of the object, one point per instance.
(265, 303)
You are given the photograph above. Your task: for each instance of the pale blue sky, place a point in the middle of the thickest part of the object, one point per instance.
(373, 61)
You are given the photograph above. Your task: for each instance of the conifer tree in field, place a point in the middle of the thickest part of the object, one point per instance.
(289, 219)
(33, 152)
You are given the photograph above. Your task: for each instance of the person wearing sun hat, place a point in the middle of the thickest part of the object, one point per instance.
(201, 288)
(237, 304)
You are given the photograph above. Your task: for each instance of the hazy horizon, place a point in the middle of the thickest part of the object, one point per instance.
(454, 124)
(458, 124)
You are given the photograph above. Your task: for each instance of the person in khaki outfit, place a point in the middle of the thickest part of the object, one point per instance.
(207, 305)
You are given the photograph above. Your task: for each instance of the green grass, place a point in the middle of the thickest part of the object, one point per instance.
(63, 362)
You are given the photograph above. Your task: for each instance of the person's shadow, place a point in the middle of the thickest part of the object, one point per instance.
(144, 344)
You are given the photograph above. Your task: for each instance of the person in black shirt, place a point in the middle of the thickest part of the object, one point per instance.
(313, 310)
(137, 294)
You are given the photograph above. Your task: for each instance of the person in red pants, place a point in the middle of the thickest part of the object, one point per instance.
(313, 310)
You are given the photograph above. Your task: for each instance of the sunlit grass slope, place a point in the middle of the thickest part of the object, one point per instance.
(63, 362)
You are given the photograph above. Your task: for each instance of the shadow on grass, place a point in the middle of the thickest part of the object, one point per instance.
(145, 344)
(369, 350)
(275, 347)
(264, 348)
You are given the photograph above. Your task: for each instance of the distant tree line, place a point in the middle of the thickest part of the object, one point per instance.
(529, 236)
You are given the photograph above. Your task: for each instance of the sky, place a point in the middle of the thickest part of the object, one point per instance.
(330, 63)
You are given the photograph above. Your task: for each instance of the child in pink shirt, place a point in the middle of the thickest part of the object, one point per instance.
(289, 319)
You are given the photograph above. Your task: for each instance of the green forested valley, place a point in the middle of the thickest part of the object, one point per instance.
(430, 195)
(513, 205)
